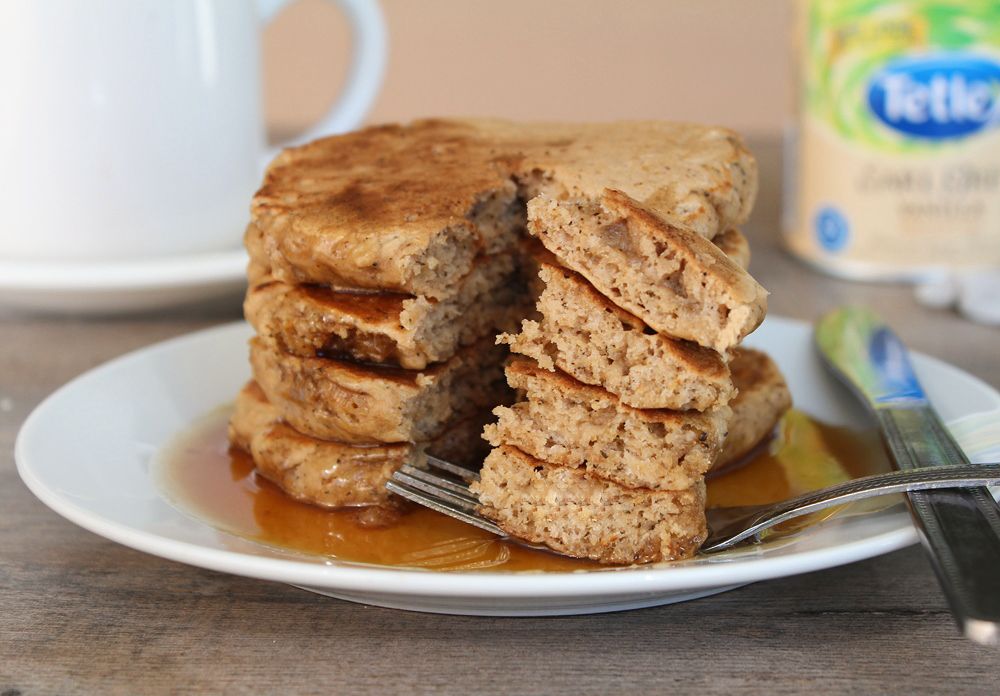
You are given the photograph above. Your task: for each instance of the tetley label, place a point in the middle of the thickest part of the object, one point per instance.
(937, 97)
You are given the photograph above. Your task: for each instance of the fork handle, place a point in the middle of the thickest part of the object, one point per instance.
(734, 525)
(959, 528)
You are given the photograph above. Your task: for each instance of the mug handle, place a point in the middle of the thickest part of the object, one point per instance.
(364, 76)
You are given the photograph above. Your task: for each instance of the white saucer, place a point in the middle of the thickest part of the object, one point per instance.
(115, 287)
(91, 452)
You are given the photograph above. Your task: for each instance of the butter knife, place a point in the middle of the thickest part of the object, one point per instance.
(959, 528)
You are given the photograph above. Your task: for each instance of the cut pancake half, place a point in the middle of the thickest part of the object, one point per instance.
(427, 248)
(350, 402)
(676, 281)
(566, 422)
(331, 474)
(579, 514)
(590, 338)
(389, 328)
(336, 474)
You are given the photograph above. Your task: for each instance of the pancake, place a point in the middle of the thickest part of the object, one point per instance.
(331, 474)
(574, 512)
(566, 422)
(364, 404)
(334, 474)
(389, 328)
(762, 400)
(676, 281)
(586, 335)
(409, 208)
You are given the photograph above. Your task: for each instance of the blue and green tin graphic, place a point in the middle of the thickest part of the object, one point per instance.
(897, 168)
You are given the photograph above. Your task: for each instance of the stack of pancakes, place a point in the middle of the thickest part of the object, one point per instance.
(627, 383)
(383, 263)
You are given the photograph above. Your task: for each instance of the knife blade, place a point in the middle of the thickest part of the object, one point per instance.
(959, 529)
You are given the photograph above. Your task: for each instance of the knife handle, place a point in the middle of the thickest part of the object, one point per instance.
(960, 529)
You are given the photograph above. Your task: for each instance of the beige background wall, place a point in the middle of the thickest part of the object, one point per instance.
(721, 61)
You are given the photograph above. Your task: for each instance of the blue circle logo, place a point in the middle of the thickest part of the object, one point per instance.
(832, 230)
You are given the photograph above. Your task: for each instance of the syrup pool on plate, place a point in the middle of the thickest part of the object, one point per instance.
(217, 484)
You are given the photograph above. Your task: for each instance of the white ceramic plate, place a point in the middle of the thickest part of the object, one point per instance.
(90, 451)
(116, 287)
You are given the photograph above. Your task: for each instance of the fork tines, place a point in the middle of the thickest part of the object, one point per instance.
(447, 492)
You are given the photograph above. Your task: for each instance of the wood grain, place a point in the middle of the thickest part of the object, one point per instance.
(79, 614)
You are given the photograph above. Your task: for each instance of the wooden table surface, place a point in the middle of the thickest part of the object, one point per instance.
(82, 614)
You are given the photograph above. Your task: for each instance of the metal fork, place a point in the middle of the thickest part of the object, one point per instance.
(445, 487)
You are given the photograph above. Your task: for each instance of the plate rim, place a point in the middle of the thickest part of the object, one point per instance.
(411, 582)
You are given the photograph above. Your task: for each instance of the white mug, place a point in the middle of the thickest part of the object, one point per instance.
(133, 129)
